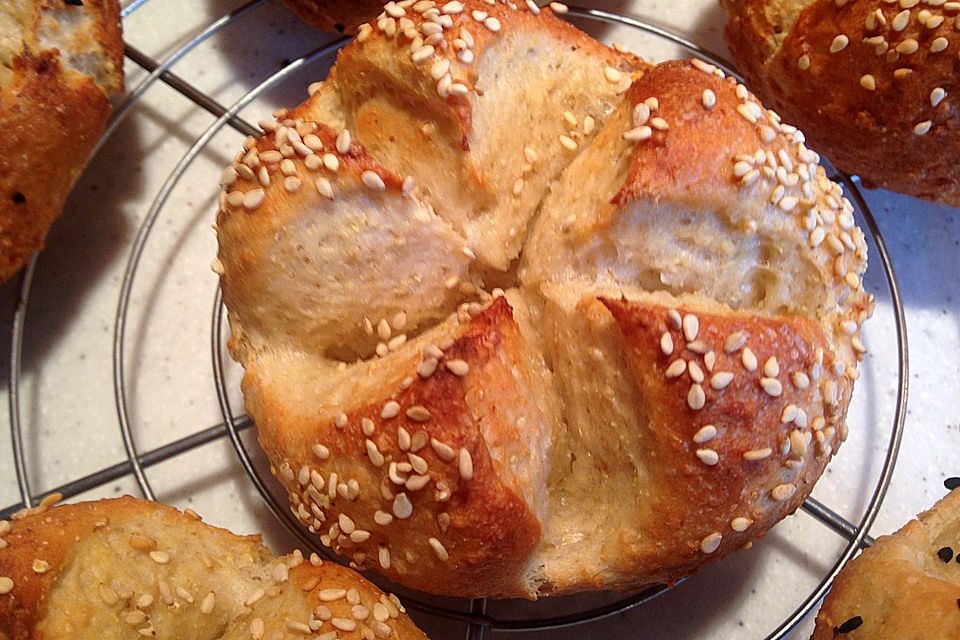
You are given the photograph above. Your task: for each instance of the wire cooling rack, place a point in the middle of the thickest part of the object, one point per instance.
(474, 614)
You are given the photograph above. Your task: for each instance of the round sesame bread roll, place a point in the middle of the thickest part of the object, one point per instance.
(905, 587)
(59, 63)
(871, 82)
(128, 568)
(650, 376)
(340, 16)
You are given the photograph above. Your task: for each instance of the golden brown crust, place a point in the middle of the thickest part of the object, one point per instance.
(47, 549)
(905, 587)
(861, 88)
(746, 453)
(339, 16)
(484, 525)
(53, 115)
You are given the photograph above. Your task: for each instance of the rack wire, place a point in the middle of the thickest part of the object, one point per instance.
(475, 614)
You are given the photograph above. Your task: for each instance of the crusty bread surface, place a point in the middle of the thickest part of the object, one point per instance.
(59, 63)
(871, 82)
(124, 568)
(590, 335)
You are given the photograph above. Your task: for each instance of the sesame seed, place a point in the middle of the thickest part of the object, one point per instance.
(343, 141)
(340, 420)
(676, 369)
(208, 602)
(331, 595)
(344, 624)
(257, 628)
(666, 343)
(142, 542)
(749, 360)
(589, 123)
(748, 114)
(452, 8)
(708, 457)
(443, 450)
(803, 63)
(908, 46)
(900, 21)
(160, 557)
(418, 413)
(721, 379)
(331, 162)
(696, 373)
(937, 96)
(382, 518)
(771, 368)
(402, 507)
(783, 492)
(558, 7)
(740, 524)
(735, 342)
(458, 368)
(439, 549)
(492, 24)
(373, 181)
(705, 434)
(659, 124)
(390, 410)
(839, 43)
(612, 75)
(711, 543)
(324, 187)
(709, 99)
(568, 143)
(757, 454)
(465, 464)
(674, 319)
(638, 134)
(868, 82)
(771, 387)
(922, 128)
(641, 113)
(696, 397)
(798, 443)
(691, 327)
(253, 598)
(938, 44)
(253, 199)
(321, 451)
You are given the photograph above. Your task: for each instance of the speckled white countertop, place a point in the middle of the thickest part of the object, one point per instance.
(67, 393)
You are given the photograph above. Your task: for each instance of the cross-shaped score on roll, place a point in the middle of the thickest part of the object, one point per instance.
(541, 317)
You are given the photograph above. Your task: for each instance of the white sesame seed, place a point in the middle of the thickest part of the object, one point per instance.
(939, 44)
(666, 343)
(735, 341)
(749, 360)
(757, 454)
(253, 199)
(705, 434)
(160, 557)
(900, 21)
(390, 410)
(492, 24)
(558, 7)
(709, 98)
(452, 8)
(402, 507)
(208, 602)
(721, 379)
(691, 327)
(696, 373)
(638, 134)
(868, 82)
(923, 127)
(373, 181)
(443, 450)
(534, 7)
(748, 114)
(708, 457)
(568, 143)
(458, 368)
(439, 549)
(798, 443)
(324, 187)
(783, 492)
(465, 464)
(711, 543)
(908, 46)
(382, 518)
(696, 397)
(611, 74)
(937, 96)
(771, 368)
(740, 524)
(676, 369)
(839, 43)
(771, 387)
(803, 63)
(659, 124)
(331, 595)
(344, 624)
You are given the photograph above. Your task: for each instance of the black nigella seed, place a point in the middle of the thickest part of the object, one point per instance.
(18, 198)
(951, 483)
(945, 554)
(850, 625)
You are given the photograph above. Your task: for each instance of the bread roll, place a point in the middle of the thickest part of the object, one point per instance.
(59, 63)
(340, 16)
(127, 568)
(606, 333)
(871, 82)
(905, 587)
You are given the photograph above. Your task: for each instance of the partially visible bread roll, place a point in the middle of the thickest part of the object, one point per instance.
(126, 568)
(905, 587)
(59, 63)
(873, 83)
(340, 16)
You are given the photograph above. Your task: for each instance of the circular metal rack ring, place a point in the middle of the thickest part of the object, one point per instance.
(232, 425)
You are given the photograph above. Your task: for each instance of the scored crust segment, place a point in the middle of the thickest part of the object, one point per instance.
(125, 568)
(871, 82)
(681, 328)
